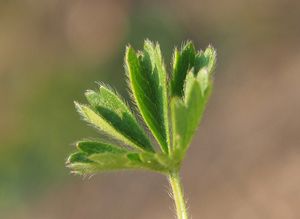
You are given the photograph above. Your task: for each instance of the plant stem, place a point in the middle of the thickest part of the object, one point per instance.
(178, 197)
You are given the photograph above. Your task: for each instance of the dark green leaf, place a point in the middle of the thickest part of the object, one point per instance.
(79, 157)
(183, 61)
(148, 82)
(190, 87)
(112, 109)
(93, 147)
(206, 59)
(104, 125)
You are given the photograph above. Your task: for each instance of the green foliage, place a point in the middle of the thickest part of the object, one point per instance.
(93, 156)
(183, 97)
(111, 115)
(187, 110)
(148, 82)
(110, 107)
(183, 61)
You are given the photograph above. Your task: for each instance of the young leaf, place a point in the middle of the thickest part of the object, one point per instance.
(183, 61)
(80, 161)
(78, 157)
(206, 59)
(186, 116)
(187, 112)
(105, 125)
(80, 164)
(129, 161)
(111, 108)
(83, 163)
(94, 147)
(148, 81)
(189, 88)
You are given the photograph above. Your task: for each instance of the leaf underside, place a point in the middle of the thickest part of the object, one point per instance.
(93, 156)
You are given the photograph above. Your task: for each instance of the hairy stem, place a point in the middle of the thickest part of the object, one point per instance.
(178, 197)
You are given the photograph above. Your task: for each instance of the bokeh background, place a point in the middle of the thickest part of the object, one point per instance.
(245, 159)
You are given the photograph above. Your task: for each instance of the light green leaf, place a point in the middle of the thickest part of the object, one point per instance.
(186, 112)
(95, 156)
(186, 115)
(148, 82)
(104, 125)
(83, 163)
(80, 162)
(112, 109)
(190, 87)
(129, 161)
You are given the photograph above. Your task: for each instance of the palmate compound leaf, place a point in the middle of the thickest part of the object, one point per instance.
(187, 110)
(112, 116)
(190, 88)
(93, 157)
(148, 83)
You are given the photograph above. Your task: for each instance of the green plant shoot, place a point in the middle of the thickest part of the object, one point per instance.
(171, 107)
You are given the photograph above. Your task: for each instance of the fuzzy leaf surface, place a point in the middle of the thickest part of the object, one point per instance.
(94, 147)
(187, 112)
(83, 163)
(104, 125)
(148, 82)
(109, 106)
(97, 156)
(183, 61)
(189, 89)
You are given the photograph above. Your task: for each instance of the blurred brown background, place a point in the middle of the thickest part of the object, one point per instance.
(244, 161)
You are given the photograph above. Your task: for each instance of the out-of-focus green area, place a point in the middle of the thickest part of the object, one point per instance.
(243, 164)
